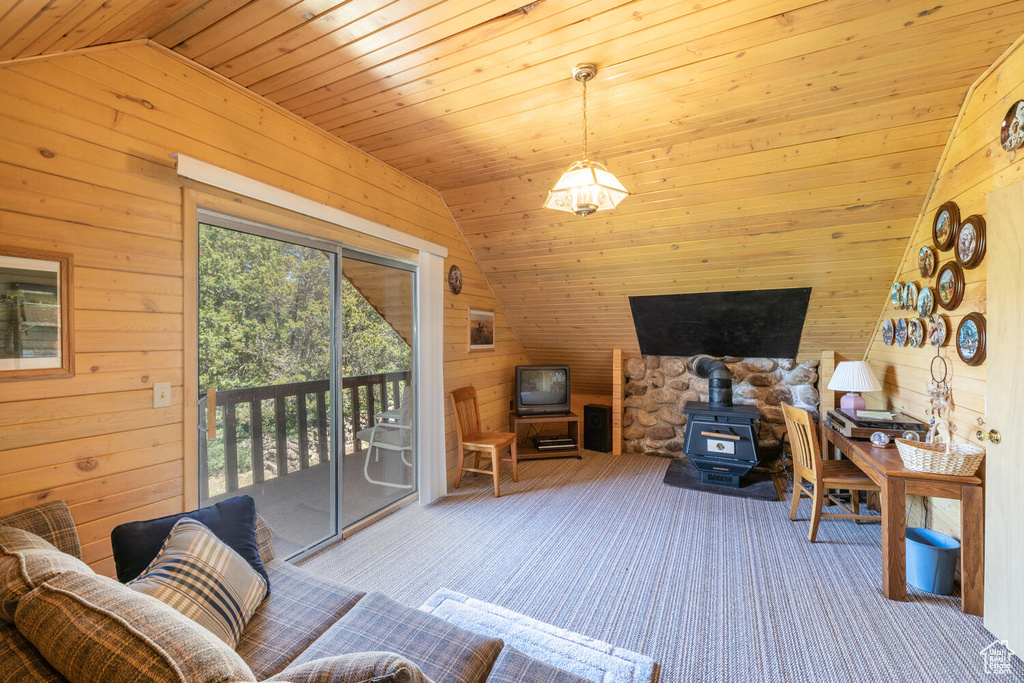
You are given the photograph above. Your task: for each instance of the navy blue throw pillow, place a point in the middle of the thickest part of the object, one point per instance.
(233, 521)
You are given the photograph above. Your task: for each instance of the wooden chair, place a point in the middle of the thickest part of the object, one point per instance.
(824, 474)
(474, 440)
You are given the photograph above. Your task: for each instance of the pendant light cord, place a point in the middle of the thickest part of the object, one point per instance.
(585, 118)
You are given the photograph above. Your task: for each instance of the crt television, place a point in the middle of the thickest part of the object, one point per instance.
(542, 389)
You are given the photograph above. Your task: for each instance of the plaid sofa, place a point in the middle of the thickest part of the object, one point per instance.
(304, 620)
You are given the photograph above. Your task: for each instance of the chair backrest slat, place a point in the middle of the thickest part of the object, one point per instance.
(803, 437)
(465, 411)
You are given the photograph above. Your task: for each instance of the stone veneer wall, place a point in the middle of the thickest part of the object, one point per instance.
(657, 388)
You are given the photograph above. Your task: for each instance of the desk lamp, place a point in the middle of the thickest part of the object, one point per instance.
(853, 376)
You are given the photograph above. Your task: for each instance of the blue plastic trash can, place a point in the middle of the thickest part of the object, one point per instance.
(931, 560)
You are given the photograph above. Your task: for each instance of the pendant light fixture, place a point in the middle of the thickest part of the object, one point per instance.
(586, 186)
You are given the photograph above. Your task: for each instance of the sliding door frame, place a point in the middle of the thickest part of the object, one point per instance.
(425, 259)
(225, 221)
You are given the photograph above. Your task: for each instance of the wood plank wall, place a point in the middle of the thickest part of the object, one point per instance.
(974, 164)
(85, 141)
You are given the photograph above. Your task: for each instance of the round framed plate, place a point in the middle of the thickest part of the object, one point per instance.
(950, 285)
(901, 332)
(926, 261)
(910, 296)
(455, 279)
(1011, 133)
(944, 225)
(938, 333)
(896, 295)
(925, 302)
(970, 339)
(915, 332)
(888, 332)
(970, 242)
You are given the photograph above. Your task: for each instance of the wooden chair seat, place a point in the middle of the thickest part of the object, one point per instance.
(824, 474)
(473, 439)
(486, 440)
(841, 474)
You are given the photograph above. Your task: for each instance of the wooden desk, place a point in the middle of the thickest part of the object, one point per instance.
(885, 467)
(527, 451)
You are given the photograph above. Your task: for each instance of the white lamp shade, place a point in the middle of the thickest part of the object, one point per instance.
(584, 188)
(854, 375)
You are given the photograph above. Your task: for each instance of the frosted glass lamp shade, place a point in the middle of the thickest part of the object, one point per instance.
(584, 188)
(853, 376)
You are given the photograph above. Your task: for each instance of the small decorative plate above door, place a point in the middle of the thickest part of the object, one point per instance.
(455, 279)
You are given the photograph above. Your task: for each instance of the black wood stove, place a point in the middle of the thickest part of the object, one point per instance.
(721, 439)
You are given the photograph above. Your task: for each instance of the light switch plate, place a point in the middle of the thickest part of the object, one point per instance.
(161, 394)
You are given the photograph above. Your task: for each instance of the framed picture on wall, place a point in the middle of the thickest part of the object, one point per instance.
(481, 330)
(36, 314)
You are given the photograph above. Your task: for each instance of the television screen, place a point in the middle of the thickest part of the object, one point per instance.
(542, 387)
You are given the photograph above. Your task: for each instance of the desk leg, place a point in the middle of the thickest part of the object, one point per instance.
(894, 548)
(972, 545)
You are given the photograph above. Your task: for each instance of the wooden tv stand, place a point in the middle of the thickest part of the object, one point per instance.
(527, 451)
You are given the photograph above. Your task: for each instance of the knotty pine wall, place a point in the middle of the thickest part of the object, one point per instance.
(973, 165)
(85, 167)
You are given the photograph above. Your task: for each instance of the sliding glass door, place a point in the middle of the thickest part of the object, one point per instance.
(286, 324)
(265, 380)
(378, 336)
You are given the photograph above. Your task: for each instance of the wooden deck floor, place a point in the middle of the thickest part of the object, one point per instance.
(298, 506)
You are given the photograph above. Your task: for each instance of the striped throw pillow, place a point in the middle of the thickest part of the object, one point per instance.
(203, 578)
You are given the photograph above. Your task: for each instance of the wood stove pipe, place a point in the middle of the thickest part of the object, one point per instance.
(719, 380)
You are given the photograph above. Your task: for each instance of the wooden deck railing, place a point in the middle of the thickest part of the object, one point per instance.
(367, 395)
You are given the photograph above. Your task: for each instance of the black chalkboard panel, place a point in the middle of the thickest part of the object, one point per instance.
(764, 323)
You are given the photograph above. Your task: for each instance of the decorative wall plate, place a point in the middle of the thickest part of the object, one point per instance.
(970, 242)
(947, 220)
(950, 285)
(915, 332)
(938, 333)
(455, 279)
(896, 295)
(888, 332)
(970, 339)
(910, 296)
(926, 261)
(901, 332)
(925, 302)
(1011, 133)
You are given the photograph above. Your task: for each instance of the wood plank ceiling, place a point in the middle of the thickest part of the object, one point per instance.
(768, 143)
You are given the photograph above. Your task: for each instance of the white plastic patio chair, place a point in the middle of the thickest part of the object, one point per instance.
(391, 431)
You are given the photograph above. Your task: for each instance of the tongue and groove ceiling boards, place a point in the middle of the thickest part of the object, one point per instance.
(768, 143)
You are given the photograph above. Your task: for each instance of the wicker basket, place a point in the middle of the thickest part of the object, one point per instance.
(961, 459)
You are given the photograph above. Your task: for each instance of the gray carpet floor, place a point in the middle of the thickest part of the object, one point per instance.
(714, 588)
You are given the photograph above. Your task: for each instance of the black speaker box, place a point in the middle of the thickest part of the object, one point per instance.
(597, 428)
